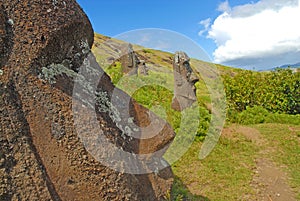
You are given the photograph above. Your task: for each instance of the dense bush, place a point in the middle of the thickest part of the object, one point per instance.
(276, 91)
(258, 114)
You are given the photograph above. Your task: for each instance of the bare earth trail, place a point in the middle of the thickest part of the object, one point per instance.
(269, 182)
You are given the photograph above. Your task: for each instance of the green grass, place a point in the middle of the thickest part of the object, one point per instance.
(224, 175)
(155, 92)
(115, 72)
(283, 119)
(227, 172)
(180, 192)
(285, 139)
(258, 115)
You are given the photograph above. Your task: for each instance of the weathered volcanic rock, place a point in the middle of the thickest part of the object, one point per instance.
(47, 152)
(128, 59)
(2, 35)
(143, 69)
(184, 81)
(5, 36)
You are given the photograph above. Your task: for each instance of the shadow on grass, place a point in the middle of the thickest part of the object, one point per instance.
(180, 192)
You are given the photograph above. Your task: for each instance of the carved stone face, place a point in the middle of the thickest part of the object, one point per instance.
(184, 79)
(129, 60)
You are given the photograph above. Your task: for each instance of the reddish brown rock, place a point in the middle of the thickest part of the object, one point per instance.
(5, 36)
(42, 157)
(2, 35)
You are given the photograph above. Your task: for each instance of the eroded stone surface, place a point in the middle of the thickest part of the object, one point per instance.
(41, 154)
(184, 81)
(143, 69)
(6, 26)
(129, 60)
(2, 34)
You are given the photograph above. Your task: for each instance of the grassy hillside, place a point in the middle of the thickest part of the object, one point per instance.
(261, 136)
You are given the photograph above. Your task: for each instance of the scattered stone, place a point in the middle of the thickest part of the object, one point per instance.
(184, 82)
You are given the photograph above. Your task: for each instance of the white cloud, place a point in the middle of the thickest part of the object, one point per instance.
(262, 34)
(205, 23)
(224, 7)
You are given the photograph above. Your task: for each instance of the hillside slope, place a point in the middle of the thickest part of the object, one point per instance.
(258, 161)
(107, 50)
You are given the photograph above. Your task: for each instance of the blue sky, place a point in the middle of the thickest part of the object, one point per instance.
(219, 27)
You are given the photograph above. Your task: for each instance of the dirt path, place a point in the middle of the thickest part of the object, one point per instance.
(269, 181)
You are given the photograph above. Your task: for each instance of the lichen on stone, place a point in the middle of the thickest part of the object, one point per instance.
(104, 102)
(101, 98)
(105, 105)
(84, 47)
(51, 72)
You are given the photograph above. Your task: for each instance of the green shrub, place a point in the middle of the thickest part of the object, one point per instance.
(276, 91)
(258, 114)
(252, 115)
(283, 119)
(203, 123)
(147, 51)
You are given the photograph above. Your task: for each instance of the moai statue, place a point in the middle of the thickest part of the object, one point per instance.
(129, 60)
(184, 82)
(44, 49)
(143, 68)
